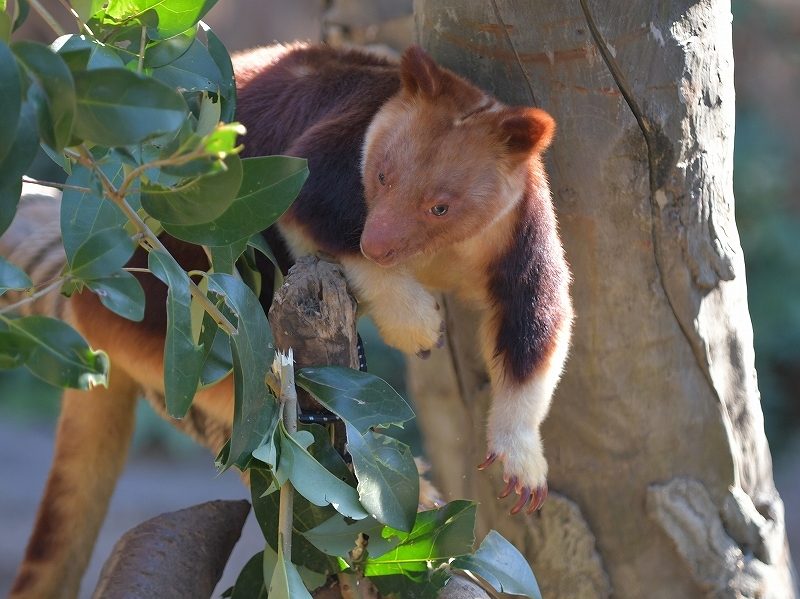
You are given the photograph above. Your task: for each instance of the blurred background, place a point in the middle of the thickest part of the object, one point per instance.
(168, 472)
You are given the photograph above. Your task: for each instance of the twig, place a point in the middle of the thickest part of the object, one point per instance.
(54, 25)
(34, 296)
(142, 44)
(118, 197)
(56, 185)
(289, 403)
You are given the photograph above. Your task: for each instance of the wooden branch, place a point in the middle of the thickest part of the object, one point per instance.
(177, 555)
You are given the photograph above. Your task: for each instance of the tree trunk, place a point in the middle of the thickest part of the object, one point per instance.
(658, 460)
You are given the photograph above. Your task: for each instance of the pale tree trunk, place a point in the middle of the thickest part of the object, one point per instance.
(661, 472)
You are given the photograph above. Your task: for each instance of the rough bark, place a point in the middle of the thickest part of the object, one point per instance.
(660, 388)
(178, 555)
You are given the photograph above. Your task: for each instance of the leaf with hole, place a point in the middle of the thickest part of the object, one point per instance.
(388, 480)
(60, 355)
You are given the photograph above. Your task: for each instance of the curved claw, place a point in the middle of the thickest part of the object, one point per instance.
(524, 496)
(489, 461)
(512, 482)
(424, 354)
(539, 497)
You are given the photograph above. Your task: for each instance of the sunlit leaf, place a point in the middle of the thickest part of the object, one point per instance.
(182, 358)
(361, 399)
(61, 356)
(121, 293)
(437, 536)
(501, 564)
(117, 107)
(337, 536)
(269, 185)
(199, 201)
(174, 17)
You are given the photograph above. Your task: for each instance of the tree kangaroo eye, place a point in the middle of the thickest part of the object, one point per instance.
(382, 178)
(440, 210)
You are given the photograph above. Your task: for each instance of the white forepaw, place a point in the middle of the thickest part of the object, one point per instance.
(524, 468)
(414, 327)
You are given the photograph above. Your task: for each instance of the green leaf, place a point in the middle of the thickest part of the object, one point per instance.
(388, 480)
(250, 582)
(306, 517)
(82, 53)
(102, 254)
(5, 26)
(117, 107)
(217, 360)
(286, 582)
(121, 293)
(437, 536)
(182, 358)
(269, 185)
(199, 201)
(500, 564)
(86, 9)
(12, 277)
(426, 586)
(223, 61)
(56, 106)
(174, 16)
(9, 198)
(192, 71)
(20, 13)
(224, 258)
(10, 99)
(362, 400)
(315, 483)
(23, 149)
(15, 349)
(83, 214)
(61, 356)
(337, 536)
(253, 351)
(164, 52)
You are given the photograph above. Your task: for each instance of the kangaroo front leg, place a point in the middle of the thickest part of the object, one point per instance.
(407, 316)
(92, 440)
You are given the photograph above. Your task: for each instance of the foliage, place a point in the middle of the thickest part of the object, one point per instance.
(138, 110)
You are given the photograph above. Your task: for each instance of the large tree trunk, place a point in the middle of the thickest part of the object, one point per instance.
(658, 459)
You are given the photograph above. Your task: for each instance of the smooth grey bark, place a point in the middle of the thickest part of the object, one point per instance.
(656, 433)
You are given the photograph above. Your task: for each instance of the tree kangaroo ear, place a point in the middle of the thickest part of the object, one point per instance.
(527, 130)
(418, 73)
